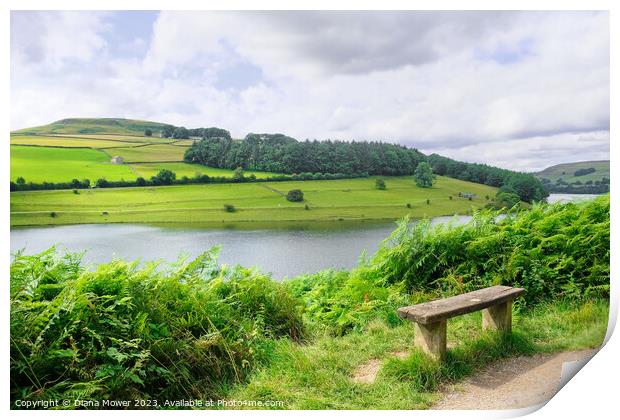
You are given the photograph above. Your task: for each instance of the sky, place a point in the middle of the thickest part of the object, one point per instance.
(520, 90)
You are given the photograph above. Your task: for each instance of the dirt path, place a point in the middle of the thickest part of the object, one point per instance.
(517, 382)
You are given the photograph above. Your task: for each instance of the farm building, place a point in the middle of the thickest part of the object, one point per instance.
(117, 160)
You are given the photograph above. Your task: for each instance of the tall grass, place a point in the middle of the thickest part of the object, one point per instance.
(127, 332)
(555, 252)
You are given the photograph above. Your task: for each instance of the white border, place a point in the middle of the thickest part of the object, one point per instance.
(591, 394)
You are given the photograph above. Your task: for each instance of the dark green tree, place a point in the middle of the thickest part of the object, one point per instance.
(380, 184)
(295, 195)
(167, 131)
(180, 133)
(148, 132)
(506, 200)
(164, 177)
(424, 175)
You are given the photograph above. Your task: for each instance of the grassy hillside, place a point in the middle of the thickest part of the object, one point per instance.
(95, 126)
(566, 171)
(588, 177)
(52, 164)
(347, 199)
(56, 164)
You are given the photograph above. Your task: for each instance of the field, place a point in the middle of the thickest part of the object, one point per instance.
(50, 164)
(150, 153)
(54, 141)
(566, 171)
(189, 170)
(350, 199)
(120, 137)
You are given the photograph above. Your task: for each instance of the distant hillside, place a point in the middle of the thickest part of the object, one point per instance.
(577, 177)
(278, 153)
(95, 126)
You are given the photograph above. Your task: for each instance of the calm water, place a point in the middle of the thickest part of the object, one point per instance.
(565, 198)
(284, 252)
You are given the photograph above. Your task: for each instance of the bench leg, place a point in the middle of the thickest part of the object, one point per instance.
(498, 317)
(431, 338)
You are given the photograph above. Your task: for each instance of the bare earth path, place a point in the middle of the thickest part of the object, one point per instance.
(516, 382)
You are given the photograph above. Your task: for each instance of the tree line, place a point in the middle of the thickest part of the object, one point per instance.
(167, 177)
(280, 153)
(284, 154)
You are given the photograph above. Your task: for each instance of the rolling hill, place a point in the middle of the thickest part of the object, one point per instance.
(577, 177)
(95, 126)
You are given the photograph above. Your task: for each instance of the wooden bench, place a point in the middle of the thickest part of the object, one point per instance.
(430, 318)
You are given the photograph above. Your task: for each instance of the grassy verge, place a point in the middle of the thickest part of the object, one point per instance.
(319, 375)
(349, 199)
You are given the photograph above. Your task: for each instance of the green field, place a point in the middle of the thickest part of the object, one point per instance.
(349, 199)
(147, 170)
(50, 164)
(53, 141)
(118, 137)
(55, 164)
(150, 153)
(566, 171)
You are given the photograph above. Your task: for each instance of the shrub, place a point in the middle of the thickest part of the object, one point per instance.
(53, 214)
(295, 195)
(553, 251)
(163, 177)
(408, 205)
(75, 191)
(428, 201)
(506, 200)
(125, 331)
(380, 184)
(229, 208)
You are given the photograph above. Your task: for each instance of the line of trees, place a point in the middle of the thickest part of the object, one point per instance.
(526, 186)
(167, 177)
(280, 153)
(170, 131)
(577, 187)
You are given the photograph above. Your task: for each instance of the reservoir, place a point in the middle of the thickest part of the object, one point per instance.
(283, 251)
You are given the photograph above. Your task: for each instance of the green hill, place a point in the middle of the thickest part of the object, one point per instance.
(577, 177)
(95, 126)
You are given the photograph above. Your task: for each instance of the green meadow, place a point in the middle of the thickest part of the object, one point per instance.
(181, 169)
(150, 153)
(56, 141)
(334, 200)
(51, 164)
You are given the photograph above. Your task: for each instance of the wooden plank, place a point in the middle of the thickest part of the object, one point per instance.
(437, 310)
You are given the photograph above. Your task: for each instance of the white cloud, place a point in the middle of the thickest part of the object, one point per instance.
(461, 83)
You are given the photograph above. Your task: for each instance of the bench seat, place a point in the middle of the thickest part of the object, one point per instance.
(430, 318)
(437, 310)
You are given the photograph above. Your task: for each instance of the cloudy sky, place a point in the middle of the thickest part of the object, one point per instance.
(522, 90)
